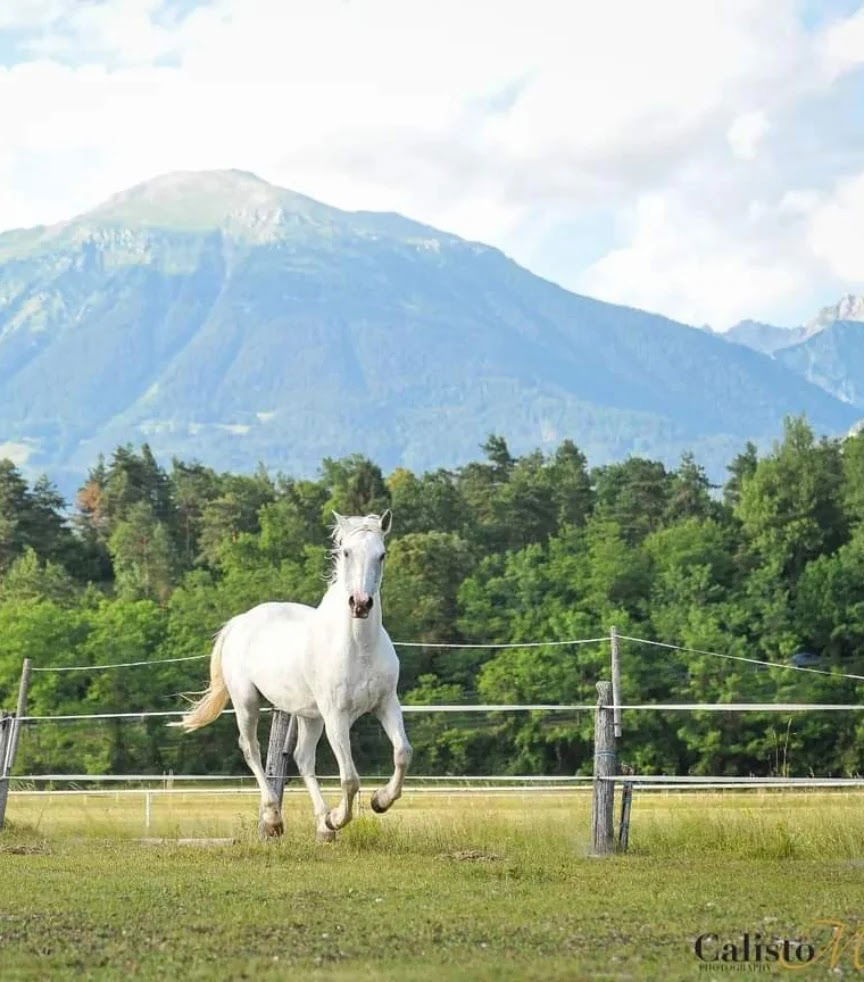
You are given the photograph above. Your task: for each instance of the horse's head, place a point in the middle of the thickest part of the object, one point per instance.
(358, 547)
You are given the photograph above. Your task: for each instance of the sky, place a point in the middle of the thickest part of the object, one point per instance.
(703, 159)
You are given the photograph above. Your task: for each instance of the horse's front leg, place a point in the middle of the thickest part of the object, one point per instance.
(338, 727)
(390, 716)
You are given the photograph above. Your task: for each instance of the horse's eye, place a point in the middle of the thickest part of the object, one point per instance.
(345, 553)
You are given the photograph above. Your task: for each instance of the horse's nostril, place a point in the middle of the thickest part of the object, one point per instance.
(351, 601)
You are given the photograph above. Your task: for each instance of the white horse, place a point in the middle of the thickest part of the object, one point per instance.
(327, 665)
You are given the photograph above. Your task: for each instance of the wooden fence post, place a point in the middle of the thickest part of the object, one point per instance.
(13, 726)
(20, 711)
(5, 730)
(616, 680)
(605, 766)
(283, 738)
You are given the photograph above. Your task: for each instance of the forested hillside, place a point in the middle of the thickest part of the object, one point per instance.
(148, 562)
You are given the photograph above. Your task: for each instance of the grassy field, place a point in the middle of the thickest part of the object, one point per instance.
(444, 887)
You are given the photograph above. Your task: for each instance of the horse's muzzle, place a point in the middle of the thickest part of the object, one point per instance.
(360, 604)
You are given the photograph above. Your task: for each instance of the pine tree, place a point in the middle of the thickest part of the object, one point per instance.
(356, 486)
(143, 556)
(740, 470)
(14, 504)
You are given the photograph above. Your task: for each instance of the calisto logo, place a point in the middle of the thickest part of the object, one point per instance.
(752, 948)
(829, 942)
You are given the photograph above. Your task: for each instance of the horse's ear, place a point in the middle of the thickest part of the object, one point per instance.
(386, 522)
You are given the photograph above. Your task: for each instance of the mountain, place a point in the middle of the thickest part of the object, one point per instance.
(766, 338)
(828, 351)
(833, 359)
(225, 319)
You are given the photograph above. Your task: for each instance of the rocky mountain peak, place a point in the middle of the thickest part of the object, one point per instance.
(848, 308)
(201, 200)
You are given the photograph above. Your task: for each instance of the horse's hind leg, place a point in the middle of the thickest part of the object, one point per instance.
(308, 734)
(269, 816)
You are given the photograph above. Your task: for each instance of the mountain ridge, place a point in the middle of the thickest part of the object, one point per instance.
(762, 337)
(827, 351)
(770, 338)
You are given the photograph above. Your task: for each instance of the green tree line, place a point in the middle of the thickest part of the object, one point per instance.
(148, 562)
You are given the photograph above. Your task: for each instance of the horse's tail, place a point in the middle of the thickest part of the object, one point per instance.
(214, 697)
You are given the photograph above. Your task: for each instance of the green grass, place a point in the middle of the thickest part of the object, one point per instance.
(444, 887)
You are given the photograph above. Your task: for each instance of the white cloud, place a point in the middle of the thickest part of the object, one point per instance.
(842, 44)
(736, 259)
(746, 133)
(18, 453)
(31, 14)
(836, 231)
(498, 120)
(688, 265)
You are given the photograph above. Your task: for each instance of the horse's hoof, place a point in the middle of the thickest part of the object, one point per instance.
(270, 830)
(325, 835)
(377, 807)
